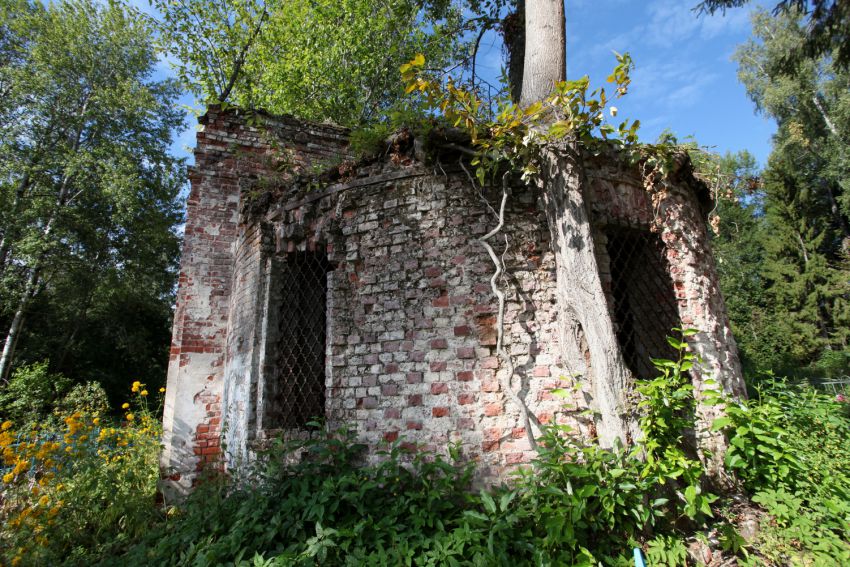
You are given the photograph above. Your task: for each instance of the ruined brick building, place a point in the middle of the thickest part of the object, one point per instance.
(365, 297)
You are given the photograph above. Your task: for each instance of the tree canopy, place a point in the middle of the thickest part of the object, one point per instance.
(88, 189)
(322, 59)
(825, 32)
(786, 241)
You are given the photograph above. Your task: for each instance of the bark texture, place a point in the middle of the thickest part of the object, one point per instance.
(513, 30)
(588, 341)
(545, 61)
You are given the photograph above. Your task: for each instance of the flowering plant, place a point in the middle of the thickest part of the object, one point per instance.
(87, 479)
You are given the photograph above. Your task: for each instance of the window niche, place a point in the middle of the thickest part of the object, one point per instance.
(293, 388)
(644, 306)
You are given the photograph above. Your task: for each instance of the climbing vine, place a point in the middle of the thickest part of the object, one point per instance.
(516, 140)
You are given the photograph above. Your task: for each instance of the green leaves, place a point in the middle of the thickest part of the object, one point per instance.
(516, 134)
(89, 193)
(317, 59)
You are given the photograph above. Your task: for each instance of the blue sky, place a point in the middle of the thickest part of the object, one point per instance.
(684, 79)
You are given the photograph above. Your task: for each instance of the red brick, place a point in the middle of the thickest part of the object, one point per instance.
(490, 386)
(442, 301)
(462, 331)
(493, 433)
(466, 352)
(464, 376)
(392, 413)
(489, 362)
(414, 400)
(389, 390)
(415, 425)
(466, 399)
(414, 377)
(515, 458)
(391, 436)
(493, 409)
(439, 388)
(490, 446)
(440, 411)
(438, 366)
(439, 343)
(518, 432)
(541, 371)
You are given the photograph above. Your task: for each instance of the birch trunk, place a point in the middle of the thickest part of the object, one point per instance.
(63, 198)
(16, 325)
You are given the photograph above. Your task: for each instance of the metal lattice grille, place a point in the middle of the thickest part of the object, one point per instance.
(299, 354)
(644, 301)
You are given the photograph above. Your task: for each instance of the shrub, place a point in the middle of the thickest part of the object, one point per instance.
(75, 492)
(788, 445)
(31, 394)
(577, 504)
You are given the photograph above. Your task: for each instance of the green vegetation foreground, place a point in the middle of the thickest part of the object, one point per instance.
(84, 493)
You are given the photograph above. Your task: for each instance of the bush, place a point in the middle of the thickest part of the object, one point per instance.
(84, 493)
(31, 394)
(789, 447)
(578, 504)
(79, 491)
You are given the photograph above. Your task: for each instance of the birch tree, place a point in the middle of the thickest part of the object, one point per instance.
(84, 142)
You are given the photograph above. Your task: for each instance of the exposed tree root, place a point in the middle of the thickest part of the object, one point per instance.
(506, 381)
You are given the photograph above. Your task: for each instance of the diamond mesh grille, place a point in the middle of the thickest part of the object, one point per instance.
(644, 300)
(299, 384)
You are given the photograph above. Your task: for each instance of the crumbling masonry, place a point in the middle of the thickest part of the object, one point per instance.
(364, 297)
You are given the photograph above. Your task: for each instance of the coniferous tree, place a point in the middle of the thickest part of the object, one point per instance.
(793, 286)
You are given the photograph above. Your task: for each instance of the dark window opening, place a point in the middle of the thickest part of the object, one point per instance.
(645, 306)
(297, 385)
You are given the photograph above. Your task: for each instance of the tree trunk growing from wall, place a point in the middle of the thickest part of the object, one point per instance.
(588, 343)
(589, 346)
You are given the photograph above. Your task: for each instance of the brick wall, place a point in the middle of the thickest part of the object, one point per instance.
(410, 345)
(231, 158)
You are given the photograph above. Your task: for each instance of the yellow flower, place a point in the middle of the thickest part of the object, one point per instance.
(8, 477)
(143, 393)
(161, 390)
(6, 425)
(96, 421)
(125, 405)
(44, 500)
(130, 417)
(136, 386)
